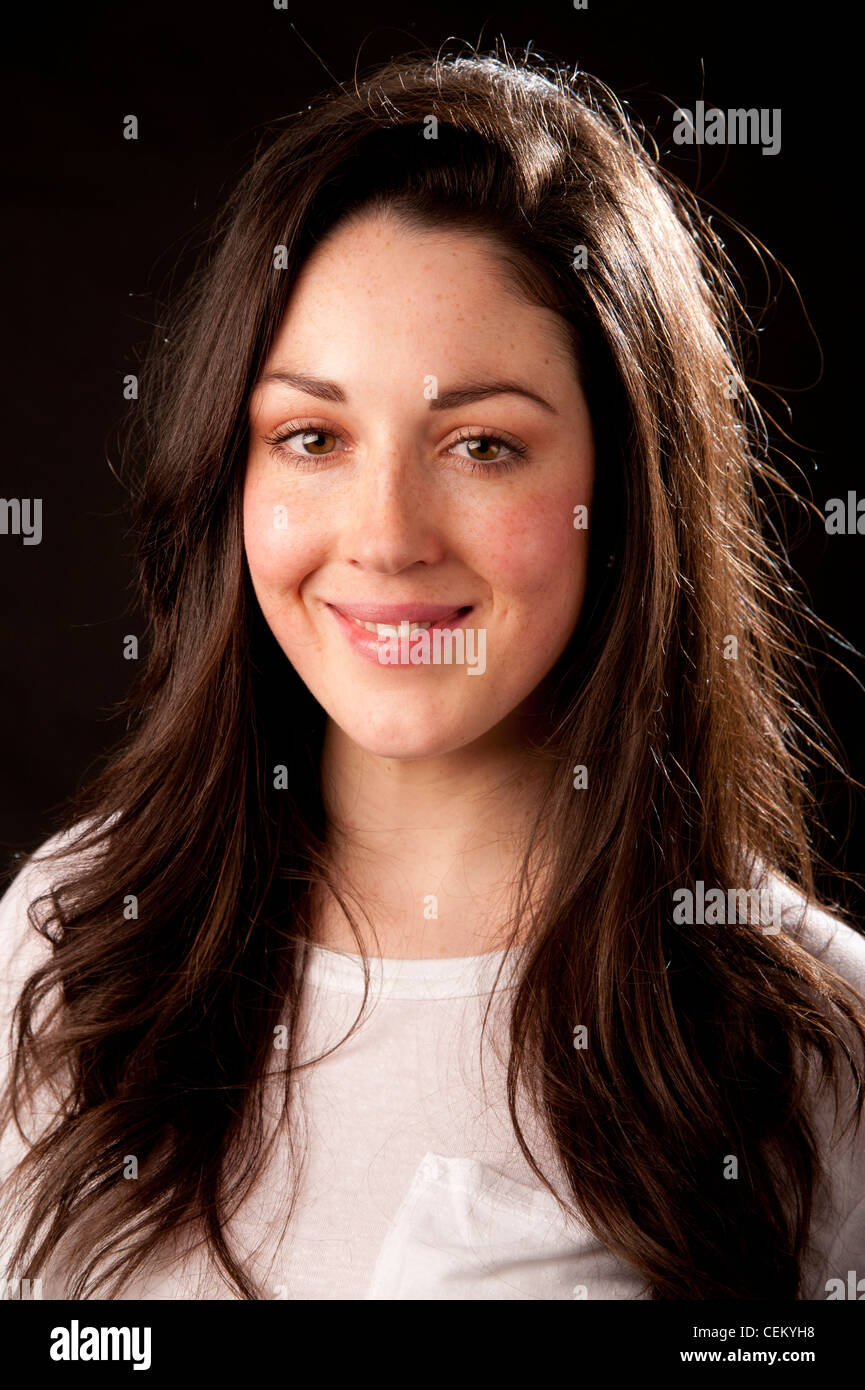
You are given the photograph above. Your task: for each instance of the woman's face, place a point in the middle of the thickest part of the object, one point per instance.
(419, 442)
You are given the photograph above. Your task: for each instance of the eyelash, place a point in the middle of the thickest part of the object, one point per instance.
(307, 462)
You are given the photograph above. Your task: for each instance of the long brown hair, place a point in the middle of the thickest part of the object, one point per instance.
(162, 1022)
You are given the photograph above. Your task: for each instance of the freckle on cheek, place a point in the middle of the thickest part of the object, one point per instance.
(536, 547)
(532, 530)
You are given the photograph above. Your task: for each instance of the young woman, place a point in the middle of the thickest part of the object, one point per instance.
(400, 950)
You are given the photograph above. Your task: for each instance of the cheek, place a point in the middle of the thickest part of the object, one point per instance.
(281, 544)
(534, 555)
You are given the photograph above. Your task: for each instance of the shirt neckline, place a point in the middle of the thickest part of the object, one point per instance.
(454, 977)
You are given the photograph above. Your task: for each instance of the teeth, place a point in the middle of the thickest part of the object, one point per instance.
(388, 629)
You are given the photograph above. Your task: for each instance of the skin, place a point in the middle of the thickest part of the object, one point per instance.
(426, 772)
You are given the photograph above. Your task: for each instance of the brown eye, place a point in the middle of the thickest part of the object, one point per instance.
(489, 450)
(315, 441)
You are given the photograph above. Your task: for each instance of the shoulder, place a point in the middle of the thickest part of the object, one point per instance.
(23, 950)
(822, 934)
(22, 947)
(836, 1243)
(20, 943)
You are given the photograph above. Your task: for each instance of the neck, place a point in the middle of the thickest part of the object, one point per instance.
(430, 848)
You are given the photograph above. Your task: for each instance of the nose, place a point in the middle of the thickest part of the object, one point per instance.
(391, 518)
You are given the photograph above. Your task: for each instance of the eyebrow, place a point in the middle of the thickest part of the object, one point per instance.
(447, 400)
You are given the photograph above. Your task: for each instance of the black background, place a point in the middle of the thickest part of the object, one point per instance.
(97, 229)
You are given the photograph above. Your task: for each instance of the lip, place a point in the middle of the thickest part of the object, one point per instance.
(367, 644)
(393, 612)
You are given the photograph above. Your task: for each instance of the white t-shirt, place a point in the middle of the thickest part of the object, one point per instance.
(412, 1183)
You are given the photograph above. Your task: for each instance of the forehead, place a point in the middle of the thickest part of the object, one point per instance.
(374, 277)
(378, 235)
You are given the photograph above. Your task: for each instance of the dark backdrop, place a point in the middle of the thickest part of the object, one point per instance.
(97, 228)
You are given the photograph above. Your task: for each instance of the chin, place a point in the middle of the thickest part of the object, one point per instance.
(406, 734)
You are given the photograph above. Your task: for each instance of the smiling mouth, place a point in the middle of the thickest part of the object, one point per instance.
(396, 630)
(389, 630)
(386, 621)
